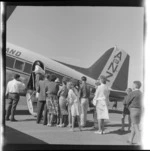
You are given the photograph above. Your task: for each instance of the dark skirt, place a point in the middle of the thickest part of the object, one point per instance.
(52, 104)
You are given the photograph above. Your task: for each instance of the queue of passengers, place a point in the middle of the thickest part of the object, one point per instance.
(72, 100)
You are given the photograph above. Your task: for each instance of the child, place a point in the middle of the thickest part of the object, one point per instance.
(73, 96)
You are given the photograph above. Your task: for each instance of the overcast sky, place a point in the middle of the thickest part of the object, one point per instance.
(80, 35)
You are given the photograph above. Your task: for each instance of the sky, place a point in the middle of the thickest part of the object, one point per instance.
(80, 35)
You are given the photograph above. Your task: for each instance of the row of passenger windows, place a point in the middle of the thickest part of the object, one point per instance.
(23, 66)
(19, 65)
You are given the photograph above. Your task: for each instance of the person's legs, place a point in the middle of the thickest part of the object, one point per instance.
(51, 118)
(78, 119)
(14, 105)
(85, 111)
(132, 134)
(73, 120)
(137, 133)
(40, 110)
(8, 111)
(123, 119)
(61, 121)
(45, 114)
(129, 120)
(83, 105)
(99, 125)
(69, 116)
(102, 125)
(48, 118)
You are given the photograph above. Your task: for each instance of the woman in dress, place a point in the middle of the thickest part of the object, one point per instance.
(63, 93)
(73, 98)
(101, 101)
(52, 99)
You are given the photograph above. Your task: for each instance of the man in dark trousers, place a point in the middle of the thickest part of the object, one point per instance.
(42, 99)
(14, 87)
(84, 96)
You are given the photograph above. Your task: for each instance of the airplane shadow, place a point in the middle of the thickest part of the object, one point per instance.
(20, 138)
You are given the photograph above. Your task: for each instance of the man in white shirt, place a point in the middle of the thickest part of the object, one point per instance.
(14, 87)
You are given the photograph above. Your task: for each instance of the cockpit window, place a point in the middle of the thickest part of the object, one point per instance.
(10, 62)
(19, 65)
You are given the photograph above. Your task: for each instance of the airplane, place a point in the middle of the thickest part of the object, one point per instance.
(114, 64)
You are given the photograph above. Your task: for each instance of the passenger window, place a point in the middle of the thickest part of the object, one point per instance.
(19, 65)
(10, 62)
(27, 68)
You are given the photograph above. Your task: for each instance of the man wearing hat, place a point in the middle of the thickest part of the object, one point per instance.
(14, 87)
(84, 96)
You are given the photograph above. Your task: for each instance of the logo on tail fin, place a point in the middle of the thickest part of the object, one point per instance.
(114, 65)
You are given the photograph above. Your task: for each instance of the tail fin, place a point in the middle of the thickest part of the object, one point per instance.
(114, 64)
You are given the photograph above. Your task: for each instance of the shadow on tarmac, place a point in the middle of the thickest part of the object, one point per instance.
(119, 132)
(115, 111)
(13, 136)
(16, 140)
(22, 112)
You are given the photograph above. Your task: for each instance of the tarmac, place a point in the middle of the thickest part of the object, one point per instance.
(27, 134)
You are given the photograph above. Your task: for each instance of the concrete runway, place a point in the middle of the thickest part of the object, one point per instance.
(26, 132)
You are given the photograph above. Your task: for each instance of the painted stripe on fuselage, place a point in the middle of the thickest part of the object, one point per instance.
(113, 65)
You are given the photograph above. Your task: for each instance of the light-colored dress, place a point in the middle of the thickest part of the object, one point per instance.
(100, 101)
(73, 98)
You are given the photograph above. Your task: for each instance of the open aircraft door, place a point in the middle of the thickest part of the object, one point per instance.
(31, 91)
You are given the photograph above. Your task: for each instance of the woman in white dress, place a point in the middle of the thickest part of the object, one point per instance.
(73, 98)
(101, 101)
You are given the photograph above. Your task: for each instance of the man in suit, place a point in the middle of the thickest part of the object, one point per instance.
(14, 87)
(42, 99)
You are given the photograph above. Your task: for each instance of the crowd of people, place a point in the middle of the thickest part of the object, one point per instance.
(63, 104)
(67, 105)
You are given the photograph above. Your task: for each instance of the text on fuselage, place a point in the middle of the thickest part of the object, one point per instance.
(13, 52)
(112, 68)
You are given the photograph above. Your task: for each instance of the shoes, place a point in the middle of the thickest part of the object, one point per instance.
(13, 120)
(50, 125)
(60, 125)
(69, 125)
(129, 142)
(98, 132)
